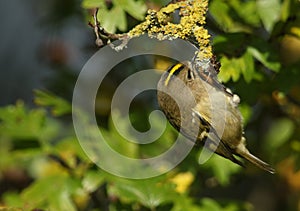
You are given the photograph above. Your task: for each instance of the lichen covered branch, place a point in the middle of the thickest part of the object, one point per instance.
(161, 25)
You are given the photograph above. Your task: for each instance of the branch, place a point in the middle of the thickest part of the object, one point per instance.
(103, 36)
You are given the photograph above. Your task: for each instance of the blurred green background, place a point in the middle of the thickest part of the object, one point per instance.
(44, 45)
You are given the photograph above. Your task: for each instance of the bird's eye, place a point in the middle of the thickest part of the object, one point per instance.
(190, 75)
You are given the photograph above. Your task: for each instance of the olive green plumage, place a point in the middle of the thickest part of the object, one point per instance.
(204, 111)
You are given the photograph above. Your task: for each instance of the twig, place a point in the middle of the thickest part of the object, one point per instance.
(102, 36)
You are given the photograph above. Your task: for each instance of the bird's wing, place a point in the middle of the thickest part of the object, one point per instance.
(213, 142)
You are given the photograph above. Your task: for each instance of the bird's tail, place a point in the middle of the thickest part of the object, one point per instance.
(255, 160)
(259, 163)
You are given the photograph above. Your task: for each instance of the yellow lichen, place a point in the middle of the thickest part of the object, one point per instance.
(192, 19)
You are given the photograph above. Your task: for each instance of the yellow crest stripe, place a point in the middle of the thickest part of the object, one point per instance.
(172, 71)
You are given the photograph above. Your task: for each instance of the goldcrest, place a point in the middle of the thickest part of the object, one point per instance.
(203, 110)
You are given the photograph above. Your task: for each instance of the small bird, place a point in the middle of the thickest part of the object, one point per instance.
(204, 110)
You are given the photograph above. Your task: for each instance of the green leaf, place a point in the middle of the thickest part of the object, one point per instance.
(264, 58)
(12, 199)
(183, 202)
(113, 19)
(228, 71)
(285, 9)
(246, 111)
(222, 168)
(53, 193)
(18, 122)
(92, 180)
(136, 9)
(231, 18)
(279, 132)
(116, 140)
(119, 18)
(247, 15)
(59, 106)
(71, 144)
(235, 67)
(269, 12)
(88, 4)
(150, 192)
(220, 12)
(295, 145)
(208, 204)
(11, 209)
(246, 65)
